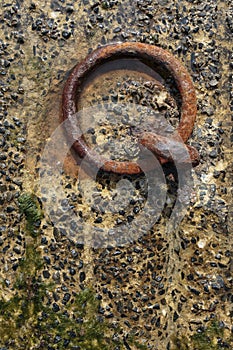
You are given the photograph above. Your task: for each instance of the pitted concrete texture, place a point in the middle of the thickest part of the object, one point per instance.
(164, 289)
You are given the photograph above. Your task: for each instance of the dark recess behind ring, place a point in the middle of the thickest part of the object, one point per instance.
(157, 66)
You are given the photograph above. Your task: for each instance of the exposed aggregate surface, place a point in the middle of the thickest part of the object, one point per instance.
(163, 285)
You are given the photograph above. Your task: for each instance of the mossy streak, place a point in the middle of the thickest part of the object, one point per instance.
(30, 207)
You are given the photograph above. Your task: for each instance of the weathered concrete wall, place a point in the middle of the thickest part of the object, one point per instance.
(163, 291)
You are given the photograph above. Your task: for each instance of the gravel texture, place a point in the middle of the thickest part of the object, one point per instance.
(162, 289)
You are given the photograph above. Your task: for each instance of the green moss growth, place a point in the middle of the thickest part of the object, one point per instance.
(30, 207)
(18, 314)
(83, 328)
(208, 339)
(28, 320)
(211, 338)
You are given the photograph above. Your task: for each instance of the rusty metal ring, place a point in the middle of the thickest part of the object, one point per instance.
(149, 55)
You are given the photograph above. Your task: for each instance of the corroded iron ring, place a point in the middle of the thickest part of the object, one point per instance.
(150, 55)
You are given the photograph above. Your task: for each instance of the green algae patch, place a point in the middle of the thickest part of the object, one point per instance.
(18, 315)
(29, 321)
(26, 315)
(213, 337)
(30, 207)
(81, 325)
(82, 328)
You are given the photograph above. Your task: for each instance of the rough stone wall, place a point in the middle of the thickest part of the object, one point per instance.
(163, 290)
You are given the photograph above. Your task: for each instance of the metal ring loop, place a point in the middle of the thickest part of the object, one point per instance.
(149, 55)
